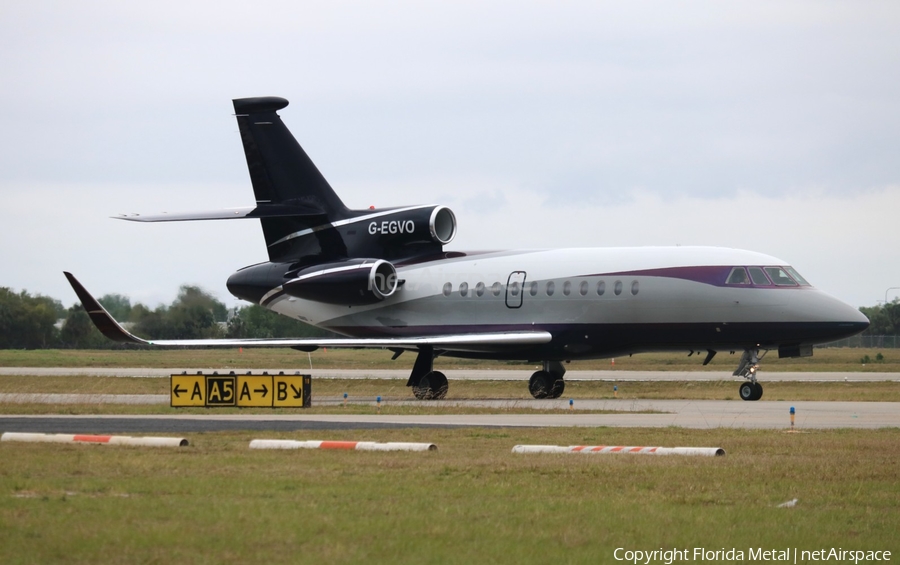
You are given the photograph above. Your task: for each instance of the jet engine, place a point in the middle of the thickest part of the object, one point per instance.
(354, 282)
(435, 224)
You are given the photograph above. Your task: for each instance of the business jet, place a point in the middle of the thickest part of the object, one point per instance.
(383, 279)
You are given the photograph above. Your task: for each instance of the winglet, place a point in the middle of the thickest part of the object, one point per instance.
(107, 325)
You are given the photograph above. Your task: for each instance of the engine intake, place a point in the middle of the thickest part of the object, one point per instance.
(354, 282)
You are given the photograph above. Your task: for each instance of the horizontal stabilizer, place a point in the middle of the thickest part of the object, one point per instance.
(264, 211)
(109, 327)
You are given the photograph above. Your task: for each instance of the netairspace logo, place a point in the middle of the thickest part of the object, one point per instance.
(723, 555)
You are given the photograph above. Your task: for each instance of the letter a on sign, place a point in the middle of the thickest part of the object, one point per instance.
(188, 390)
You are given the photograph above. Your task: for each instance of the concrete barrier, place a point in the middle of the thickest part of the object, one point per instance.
(346, 445)
(86, 438)
(704, 451)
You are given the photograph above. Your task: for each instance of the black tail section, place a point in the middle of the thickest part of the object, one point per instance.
(283, 175)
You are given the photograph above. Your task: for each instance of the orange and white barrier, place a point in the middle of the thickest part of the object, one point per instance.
(707, 451)
(346, 445)
(86, 438)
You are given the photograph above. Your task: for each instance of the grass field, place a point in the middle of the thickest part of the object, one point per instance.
(472, 501)
(835, 359)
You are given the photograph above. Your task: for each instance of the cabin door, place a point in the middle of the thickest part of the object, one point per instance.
(515, 289)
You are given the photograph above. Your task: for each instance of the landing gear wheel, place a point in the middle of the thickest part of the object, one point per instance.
(541, 384)
(557, 389)
(757, 391)
(746, 391)
(432, 386)
(751, 391)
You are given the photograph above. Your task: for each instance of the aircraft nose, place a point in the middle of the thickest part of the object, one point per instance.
(851, 320)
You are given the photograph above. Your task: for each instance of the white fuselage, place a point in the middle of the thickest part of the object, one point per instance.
(616, 294)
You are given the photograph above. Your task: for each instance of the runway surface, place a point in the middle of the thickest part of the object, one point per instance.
(479, 375)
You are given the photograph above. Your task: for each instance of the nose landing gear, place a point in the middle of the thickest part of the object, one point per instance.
(747, 368)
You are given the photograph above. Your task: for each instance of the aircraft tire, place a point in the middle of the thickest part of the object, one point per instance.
(432, 386)
(541, 384)
(757, 391)
(747, 391)
(557, 389)
(439, 385)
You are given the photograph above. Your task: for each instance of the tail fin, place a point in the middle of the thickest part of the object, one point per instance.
(283, 175)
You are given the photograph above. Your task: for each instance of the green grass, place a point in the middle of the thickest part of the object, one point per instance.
(832, 359)
(472, 501)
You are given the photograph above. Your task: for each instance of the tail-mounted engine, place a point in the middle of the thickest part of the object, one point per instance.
(354, 282)
(420, 225)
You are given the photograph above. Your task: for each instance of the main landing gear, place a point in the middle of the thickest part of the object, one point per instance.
(549, 382)
(747, 368)
(427, 384)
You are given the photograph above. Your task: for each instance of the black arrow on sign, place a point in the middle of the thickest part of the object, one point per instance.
(178, 390)
(297, 393)
(264, 391)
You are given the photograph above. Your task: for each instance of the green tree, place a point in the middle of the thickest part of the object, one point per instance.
(884, 319)
(257, 322)
(118, 305)
(78, 332)
(28, 321)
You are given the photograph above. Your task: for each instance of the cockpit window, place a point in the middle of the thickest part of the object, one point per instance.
(758, 276)
(738, 276)
(780, 277)
(793, 272)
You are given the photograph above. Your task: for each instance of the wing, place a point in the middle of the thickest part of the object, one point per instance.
(109, 327)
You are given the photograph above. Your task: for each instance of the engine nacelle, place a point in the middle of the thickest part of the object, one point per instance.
(354, 282)
(436, 224)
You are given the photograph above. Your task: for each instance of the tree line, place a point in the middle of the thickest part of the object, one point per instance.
(40, 322)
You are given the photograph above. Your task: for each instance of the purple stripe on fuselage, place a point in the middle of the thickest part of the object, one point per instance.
(707, 274)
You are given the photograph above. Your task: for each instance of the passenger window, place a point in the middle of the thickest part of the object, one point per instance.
(618, 288)
(479, 289)
(601, 288)
(758, 276)
(567, 288)
(534, 289)
(635, 288)
(583, 289)
(495, 289)
(738, 276)
(551, 288)
(793, 272)
(514, 288)
(448, 288)
(464, 289)
(779, 277)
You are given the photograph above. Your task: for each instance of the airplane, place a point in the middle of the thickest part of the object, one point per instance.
(383, 279)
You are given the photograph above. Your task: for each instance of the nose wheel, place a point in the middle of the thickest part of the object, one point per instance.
(751, 391)
(747, 368)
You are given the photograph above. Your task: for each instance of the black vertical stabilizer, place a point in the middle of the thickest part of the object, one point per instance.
(283, 175)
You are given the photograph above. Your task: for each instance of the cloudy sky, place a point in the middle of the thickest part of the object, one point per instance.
(770, 126)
